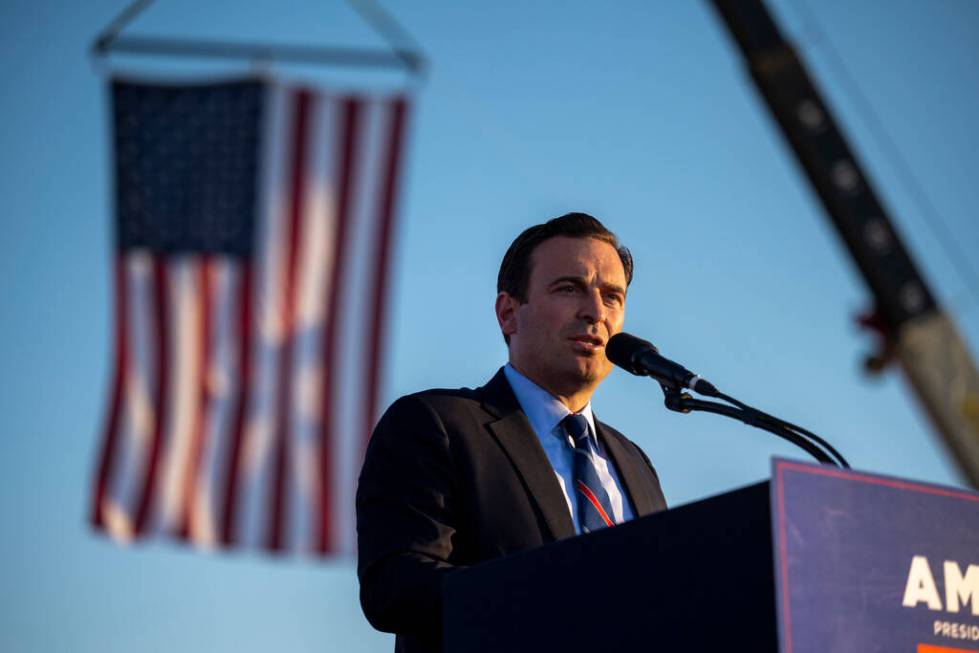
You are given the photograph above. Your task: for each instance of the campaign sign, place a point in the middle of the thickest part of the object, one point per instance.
(869, 563)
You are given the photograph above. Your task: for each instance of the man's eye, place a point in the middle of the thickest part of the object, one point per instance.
(613, 300)
(566, 289)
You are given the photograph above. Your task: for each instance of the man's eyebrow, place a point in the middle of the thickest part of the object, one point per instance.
(580, 281)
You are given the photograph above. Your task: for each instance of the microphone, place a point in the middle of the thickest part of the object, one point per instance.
(640, 357)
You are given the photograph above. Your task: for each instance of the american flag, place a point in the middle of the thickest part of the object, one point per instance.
(253, 227)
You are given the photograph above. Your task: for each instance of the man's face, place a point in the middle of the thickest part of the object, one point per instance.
(575, 302)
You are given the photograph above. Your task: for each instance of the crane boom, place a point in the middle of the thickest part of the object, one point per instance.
(924, 338)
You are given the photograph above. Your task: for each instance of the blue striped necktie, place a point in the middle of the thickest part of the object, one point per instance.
(594, 506)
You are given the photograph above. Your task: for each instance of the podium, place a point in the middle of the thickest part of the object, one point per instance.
(816, 559)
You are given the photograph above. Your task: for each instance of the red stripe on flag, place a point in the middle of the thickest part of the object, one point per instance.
(229, 515)
(277, 510)
(331, 333)
(161, 340)
(192, 470)
(584, 489)
(390, 186)
(108, 458)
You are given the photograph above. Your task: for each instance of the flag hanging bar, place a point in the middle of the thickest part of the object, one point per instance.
(355, 57)
(399, 56)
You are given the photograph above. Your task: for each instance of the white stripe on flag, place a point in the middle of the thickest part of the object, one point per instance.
(184, 328)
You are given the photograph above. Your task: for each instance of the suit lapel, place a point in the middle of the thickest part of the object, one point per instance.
(631, 476)
(514, 434)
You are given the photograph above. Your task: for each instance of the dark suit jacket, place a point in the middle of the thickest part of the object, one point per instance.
(453, 478)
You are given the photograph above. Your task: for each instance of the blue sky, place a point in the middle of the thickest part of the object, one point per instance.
(640, 113)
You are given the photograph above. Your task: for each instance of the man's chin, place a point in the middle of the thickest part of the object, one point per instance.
(590, 371)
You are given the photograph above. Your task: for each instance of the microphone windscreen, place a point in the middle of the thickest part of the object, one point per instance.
(623, 347)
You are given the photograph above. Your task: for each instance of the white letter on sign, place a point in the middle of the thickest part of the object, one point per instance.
(957, 587)
(921, 586)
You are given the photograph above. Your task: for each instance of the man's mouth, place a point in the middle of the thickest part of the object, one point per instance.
(587, 343)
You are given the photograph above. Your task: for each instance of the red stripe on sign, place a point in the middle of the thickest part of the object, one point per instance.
(584, 489)
(345, 183)
(277, 510)
(783, 561)
(390, 186)
(896, 483)
(161, 340)
(229, 515)
(107, 460)
(199, 434)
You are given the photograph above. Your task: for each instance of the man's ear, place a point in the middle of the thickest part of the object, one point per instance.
(506, 313)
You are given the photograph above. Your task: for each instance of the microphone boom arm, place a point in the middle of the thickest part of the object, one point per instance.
(684, 403)
(642, 358)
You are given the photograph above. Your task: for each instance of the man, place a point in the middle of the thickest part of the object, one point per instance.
(456, 477)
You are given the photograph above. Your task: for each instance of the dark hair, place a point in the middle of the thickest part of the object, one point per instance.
(515, 269)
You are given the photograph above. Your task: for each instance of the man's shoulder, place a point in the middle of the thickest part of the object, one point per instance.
(447, 394)
(446, 402)
(441, 396)
(436, 415)
(495, 391)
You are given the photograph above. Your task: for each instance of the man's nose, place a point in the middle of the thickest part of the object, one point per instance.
(592, 307)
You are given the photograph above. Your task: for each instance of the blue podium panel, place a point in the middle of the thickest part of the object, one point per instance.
(868, 563)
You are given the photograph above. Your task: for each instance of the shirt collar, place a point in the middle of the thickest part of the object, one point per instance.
(543, 411)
